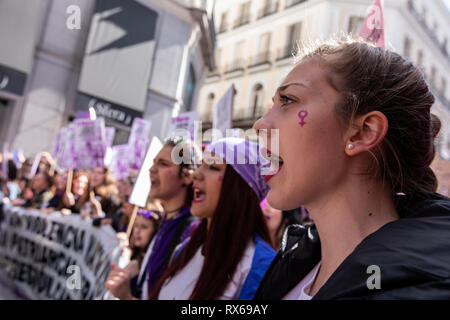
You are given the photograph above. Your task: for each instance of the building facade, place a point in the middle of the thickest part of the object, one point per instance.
(256, 39)
(126, 59)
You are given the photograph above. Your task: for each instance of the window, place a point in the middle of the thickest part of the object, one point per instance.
(433, 76)
(263, 49)
(443, 86)
(257, 99)
(189, 89)
(420, 58)
(407, 47)
(295, 31)
(209, 106)
(424, 14)
(355, 24)
(223, 22)
(244, 15)
(218, 58)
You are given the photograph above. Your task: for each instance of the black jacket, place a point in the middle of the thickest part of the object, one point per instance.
(412, 253)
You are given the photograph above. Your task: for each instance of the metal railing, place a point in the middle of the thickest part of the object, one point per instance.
(235, 65)
(259, 59)
(242, 20)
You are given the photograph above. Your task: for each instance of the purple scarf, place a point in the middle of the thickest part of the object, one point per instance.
(159, 258)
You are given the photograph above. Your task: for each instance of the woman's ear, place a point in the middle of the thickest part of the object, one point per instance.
(368, 131)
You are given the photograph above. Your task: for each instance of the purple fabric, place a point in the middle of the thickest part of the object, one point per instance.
(159, 258)
(147, 214)
(245, 157)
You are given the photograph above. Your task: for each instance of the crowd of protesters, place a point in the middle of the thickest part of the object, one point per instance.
(216, 230)
(166, 226)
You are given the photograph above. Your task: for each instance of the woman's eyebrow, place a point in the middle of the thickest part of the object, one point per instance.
(284, 87)
(301, 84)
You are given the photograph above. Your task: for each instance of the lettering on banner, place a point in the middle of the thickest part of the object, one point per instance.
(51, 259)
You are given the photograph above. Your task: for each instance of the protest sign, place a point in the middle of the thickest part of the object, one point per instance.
(89, 143)
(120, 161)
(69, 158)
(184, 121)
(139, 141)
(54, 256)
(223, 111)
(373, 27)
(34, 167)
(141, 188)
(110, 132)
(57, 148)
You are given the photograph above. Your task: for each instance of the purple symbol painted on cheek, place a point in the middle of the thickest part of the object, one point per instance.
(220, 178)
(302, 115)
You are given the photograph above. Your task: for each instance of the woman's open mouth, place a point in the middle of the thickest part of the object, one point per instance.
(199, 195)
(275, 165)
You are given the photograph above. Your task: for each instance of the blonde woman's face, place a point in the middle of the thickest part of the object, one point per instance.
(311, 140)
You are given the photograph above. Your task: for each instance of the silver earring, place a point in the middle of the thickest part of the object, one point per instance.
(350, 146)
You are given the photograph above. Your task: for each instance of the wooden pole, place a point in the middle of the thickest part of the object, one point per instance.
(69, 181)
(131, 223)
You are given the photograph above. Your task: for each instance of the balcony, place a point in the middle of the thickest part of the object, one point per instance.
(441, 47)
(236, 65)
(260, 59)
(268, 10)
(242, 20)
(291, 3)
(223, 28)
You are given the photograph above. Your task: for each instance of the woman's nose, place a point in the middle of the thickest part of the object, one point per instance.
(197, 175)
(263, 123)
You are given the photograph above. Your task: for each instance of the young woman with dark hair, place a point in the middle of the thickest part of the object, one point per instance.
(230, 250)
(171, 184)
(355, 147)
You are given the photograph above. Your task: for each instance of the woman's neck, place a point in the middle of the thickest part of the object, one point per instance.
(347, 216)
(172, 206)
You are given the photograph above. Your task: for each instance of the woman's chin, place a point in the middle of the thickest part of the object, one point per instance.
(277, 200)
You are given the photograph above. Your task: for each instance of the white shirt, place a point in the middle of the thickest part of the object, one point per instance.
(183, 283)
(142, 271)
(302, 289)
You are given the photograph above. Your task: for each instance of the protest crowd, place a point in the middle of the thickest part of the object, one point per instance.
(352, 195)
